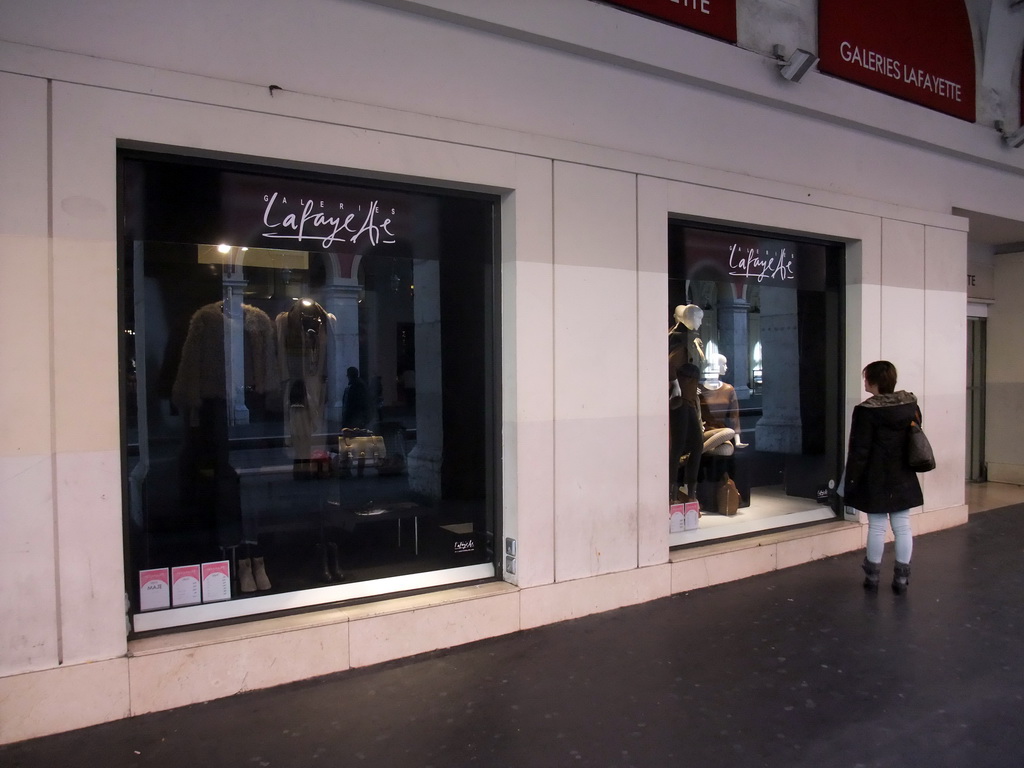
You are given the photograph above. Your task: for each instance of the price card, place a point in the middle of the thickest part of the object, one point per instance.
(154, 589)
(216, 581)
(185, 587)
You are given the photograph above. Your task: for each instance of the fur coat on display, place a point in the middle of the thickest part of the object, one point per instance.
(201, 373)
(304, 338)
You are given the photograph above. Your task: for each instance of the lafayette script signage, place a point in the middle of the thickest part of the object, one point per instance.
(216, 206)
(304, 215)
(917, 50)
(319, 223)
(722, 257)
(712, 17)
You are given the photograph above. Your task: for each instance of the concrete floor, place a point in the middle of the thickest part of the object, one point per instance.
(796, 668)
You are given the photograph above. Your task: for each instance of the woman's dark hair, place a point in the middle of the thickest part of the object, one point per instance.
(882, 374)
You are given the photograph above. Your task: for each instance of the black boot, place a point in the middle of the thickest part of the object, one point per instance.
(901, 578)
(323, 571)
(335, 566)
(871, 574)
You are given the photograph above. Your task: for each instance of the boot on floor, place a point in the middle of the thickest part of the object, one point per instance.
(333, 562)
(871, 574)
(901, 578)
(259, 574)
(246, 582)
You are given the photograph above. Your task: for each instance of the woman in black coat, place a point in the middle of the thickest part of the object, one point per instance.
(878, 479)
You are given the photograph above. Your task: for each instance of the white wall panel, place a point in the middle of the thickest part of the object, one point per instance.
(652, 369)
(903, 317)
(945, 380)
(91, 556)
(24, 267)
(902, 254)
(86, 391)
(595, 372)
(863, 338)
(28, 630)
(903, 334)
(864, 255)
(528, 373)
(863, 319)
(942, 393)
(946, 263)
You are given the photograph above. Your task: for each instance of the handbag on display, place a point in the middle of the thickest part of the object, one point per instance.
(728, 500)
(360, 449)
(920, 456)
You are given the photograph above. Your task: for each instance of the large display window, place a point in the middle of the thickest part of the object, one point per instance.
(309, 388)
(755, 370)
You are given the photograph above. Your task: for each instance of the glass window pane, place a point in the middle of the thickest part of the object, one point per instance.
(309, 379)
(758, 317)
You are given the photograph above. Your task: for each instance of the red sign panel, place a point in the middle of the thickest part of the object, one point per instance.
(712, 17)
(918, 50)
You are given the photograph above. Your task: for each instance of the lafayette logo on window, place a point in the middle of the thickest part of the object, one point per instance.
(306, 215)
(712, 17)
(751, 260)
(463, 546)
(308, 219)
(760, 264)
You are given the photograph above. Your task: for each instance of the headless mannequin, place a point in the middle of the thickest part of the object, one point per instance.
(303, 340)
(686, 431)
(688, 318)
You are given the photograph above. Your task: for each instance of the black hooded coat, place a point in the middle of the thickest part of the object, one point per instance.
(878, 479)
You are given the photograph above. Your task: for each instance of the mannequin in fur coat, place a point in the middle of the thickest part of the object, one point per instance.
(304, 335)
(201, 374)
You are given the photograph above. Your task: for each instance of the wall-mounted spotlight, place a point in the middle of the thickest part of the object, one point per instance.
(1014, 139)
(796, 66)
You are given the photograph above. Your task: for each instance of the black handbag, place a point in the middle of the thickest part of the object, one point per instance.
(920, 456)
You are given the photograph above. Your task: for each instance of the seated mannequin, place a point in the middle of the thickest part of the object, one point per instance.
(721, 413)
(719, 404)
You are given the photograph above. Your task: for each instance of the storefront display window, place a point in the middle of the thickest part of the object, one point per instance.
(309, 388)
(755, 370)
